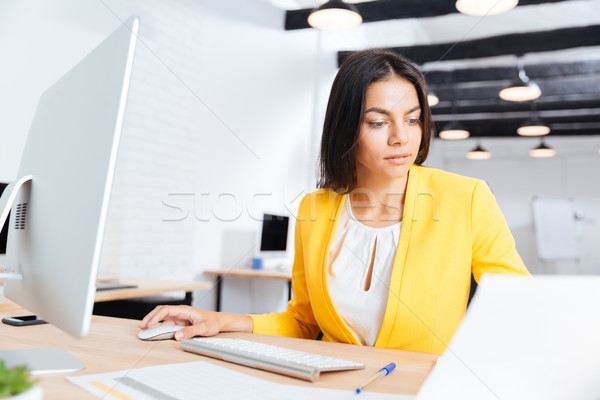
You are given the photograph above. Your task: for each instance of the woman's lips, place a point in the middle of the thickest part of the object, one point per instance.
(398, 158)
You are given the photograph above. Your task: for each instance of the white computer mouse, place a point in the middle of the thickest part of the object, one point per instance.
(159, 332)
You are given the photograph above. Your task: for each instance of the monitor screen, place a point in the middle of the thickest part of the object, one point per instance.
(3, 229)
(274, 233)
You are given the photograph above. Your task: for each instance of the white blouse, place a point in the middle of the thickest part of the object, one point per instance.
(355, 247)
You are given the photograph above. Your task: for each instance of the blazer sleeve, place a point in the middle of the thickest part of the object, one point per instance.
(493, 248)
(298, 320)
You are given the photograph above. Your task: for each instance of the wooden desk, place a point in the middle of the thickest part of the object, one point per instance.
(9, 307)
(145, 287)
(148, 287)
(279, 274)
(112, 345)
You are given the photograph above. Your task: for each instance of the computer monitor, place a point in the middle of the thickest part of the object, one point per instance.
(273, 239)
(60, 200)
(4, 228)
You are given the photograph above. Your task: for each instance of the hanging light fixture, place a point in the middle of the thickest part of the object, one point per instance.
(335, 15)
(542, 151)
(432, 99)
(533, 126)
(485, 7)
(454, 130)
(479, 153)
(521, 89)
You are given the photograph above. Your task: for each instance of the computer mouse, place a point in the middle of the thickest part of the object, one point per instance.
(160, 332)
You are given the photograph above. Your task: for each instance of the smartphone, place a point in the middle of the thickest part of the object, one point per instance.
(23, 320)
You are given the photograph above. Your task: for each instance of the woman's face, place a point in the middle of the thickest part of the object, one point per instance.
(391, 131)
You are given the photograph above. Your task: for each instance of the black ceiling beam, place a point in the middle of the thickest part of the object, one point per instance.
(552, 101)
(577, 84)
(551, 116)
(493, 130)
(534, 71)
(383, 10)
(514, 43)
(501, 106)
(507, 127)
(502, 120)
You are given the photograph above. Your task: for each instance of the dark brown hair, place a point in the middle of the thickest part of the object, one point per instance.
(345, 110)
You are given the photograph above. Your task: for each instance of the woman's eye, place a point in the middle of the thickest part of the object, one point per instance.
(413, 121)
(376, 124)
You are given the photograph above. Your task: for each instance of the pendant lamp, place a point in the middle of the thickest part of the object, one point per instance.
(521, 89)
(432, 99)
(485, 7)
(542, 151)
(479, 153)
(533, 126)
(454, 130)
(335, 15)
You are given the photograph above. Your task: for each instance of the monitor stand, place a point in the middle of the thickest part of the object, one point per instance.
(42, 360)
(37, 360)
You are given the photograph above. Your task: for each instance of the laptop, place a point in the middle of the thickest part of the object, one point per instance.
(524, 338)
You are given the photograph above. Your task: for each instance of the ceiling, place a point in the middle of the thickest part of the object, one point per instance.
(558, 42)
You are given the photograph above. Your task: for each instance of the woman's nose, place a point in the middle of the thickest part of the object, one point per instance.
(398, 134)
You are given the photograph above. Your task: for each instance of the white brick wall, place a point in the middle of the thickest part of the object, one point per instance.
(161, 139)
(218, 125)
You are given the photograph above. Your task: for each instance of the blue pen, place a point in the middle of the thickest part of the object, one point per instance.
(382, 372)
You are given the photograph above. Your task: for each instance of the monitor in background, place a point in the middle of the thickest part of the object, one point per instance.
(3, 229)
(60, 200)
(273, 240)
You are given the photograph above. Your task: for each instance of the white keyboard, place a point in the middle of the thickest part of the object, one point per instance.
(284, 361)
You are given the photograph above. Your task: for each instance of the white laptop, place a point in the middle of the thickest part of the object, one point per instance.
(524, 338)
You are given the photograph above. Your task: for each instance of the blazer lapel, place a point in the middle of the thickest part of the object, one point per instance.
(320, 250)
(394, 301)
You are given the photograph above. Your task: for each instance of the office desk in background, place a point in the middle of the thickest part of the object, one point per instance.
(145, 287)
(112, 345)
(220, 274)
(136, 302)
(148, 287)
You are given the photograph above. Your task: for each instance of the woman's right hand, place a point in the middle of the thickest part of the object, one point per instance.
(198, 322)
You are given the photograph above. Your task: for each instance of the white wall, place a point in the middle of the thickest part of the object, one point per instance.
(515, 178)
(39, 42)
(216, 102)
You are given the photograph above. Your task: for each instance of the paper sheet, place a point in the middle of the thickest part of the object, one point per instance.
(202, 380)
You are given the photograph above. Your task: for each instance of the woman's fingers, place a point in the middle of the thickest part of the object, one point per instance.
(208, 327)
(153, 317)
(180, 315)
(201, 323)
(144, 323)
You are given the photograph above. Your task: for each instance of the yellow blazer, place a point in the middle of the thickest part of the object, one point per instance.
(451, 227)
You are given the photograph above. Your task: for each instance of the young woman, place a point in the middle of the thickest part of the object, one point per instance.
(386, 248)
